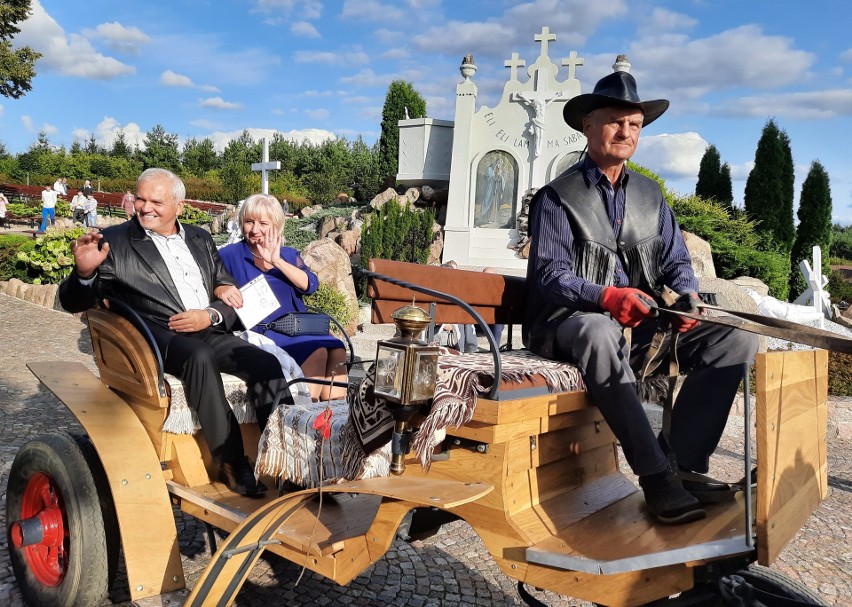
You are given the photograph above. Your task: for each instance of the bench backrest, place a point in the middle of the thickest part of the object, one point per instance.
(497, 298)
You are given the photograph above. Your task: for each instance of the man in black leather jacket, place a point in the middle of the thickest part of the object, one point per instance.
(172, 275)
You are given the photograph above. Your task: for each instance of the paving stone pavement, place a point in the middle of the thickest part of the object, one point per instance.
(450, 569)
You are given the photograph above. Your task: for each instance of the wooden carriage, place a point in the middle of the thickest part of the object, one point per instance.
(534, 472)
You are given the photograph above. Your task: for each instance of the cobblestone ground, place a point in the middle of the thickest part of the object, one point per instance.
(450, 569)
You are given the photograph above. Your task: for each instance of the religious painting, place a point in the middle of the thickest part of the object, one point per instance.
(496, 191)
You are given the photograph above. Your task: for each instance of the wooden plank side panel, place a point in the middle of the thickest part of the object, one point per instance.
(504, 411)
(791, 431)
(148, 532)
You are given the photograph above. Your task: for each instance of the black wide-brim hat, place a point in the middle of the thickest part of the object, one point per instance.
(615, 90)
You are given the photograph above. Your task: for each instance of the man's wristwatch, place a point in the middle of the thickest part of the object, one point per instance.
(215, 317)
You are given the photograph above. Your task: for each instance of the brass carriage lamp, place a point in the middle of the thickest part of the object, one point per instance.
(406, 371)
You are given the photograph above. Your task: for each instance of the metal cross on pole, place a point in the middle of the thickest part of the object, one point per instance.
(264, 167)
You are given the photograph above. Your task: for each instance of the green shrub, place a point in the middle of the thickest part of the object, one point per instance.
(329, 300)
(839, 288)
(193, 216)
(51, 260)
(737, 247)
(10, 266)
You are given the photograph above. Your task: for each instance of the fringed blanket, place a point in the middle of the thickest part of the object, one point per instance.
(462, 376)
(182, 418)
(290, 447)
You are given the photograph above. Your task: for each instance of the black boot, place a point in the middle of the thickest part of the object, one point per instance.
(239, 477)
(668, 500)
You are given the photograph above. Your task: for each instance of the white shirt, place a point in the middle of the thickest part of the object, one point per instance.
(48, 199)
(59, 188)
(182, 268)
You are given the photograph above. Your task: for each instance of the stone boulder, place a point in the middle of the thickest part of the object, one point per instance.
(332, 266)
(436, 249)
(434, 197)
(326, 226)
(729, 295)
(381, 199)
(755, 284)
(309, 211)
(350, 241)
(702, 256)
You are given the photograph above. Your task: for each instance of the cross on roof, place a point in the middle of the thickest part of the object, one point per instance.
(544, 37)
(573, 61)
(264, 167)
(514, 63)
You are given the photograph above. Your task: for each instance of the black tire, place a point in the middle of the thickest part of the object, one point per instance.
(775, 582)
(89, 551)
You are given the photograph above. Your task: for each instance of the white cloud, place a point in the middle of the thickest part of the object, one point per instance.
(672, 156)
(307, 9)
(370, 10)
(48, 129)
(315, 93)
(205, 124)
(170, 78)
(27, 121)
(318, 114)
(118, 37)
(303, 28)
(810, 105)
(107, 130)
(218, 103)
(315, 136)
(846, 55)
(396, 53)
(356, 57)
(69, 55)
(368, 78)
(717, 62)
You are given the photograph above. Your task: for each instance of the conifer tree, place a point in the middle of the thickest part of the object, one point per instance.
(814, 225)
(401, 96)
(714, 178)
(769, 188)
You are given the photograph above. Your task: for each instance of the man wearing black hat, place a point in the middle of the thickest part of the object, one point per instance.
(604, 243)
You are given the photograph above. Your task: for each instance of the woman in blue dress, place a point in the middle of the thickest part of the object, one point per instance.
(260, 252)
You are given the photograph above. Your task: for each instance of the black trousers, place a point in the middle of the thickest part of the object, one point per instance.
(712, 355)
(198, 359)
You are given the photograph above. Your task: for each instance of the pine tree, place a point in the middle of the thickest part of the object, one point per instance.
(161, 150)
(401, 95)
(769, 188)
(708, 174)
(814, 225)
(726, 188)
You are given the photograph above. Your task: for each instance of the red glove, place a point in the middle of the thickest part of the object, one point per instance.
(687, 302)
(627, 305)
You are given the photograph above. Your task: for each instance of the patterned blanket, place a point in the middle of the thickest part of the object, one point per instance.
(361, 429)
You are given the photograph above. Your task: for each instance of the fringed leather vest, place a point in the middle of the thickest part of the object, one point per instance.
(595, 247)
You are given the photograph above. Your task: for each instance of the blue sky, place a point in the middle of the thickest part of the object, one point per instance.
(319, 68)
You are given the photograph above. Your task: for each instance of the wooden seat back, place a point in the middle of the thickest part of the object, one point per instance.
(497, 298)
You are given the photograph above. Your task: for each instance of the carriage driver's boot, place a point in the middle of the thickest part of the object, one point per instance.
(239, 477)
(668, 501)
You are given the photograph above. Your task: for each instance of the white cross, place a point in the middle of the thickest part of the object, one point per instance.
(264, 167)
(815, 292)
(573, 62)
(544, 37)
(513, 64)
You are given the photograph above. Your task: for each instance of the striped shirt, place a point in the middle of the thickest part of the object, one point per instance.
(551, 259)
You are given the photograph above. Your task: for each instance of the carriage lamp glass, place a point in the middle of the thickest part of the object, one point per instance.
(406, 371)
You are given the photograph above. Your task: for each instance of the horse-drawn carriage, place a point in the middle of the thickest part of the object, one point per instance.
(521, 455)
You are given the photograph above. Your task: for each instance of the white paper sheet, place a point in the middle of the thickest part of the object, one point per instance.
(258, 302)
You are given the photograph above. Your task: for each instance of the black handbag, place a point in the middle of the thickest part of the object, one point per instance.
(301, 323)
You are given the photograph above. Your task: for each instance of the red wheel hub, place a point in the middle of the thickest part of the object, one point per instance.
(42, 530)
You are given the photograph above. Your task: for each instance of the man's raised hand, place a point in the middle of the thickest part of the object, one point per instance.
(89, 254)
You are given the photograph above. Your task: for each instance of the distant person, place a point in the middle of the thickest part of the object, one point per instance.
(48, 207)
(3, 202)
(87, 188)
(78, 208)
(60, 186)
(127, 203)
(91, 211)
